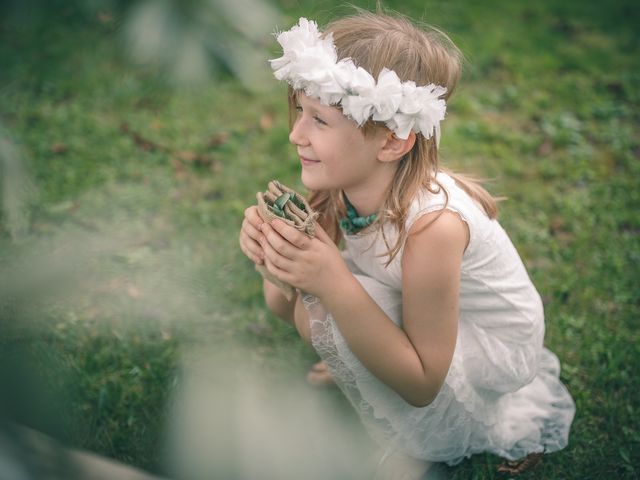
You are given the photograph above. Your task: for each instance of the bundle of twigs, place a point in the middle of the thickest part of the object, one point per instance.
(281, 202)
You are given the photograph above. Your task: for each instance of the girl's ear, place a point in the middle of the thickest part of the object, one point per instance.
(395, 148)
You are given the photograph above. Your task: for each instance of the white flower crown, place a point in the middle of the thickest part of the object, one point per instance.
(310, 63)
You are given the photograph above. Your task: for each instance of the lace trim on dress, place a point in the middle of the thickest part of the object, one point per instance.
(449, 428)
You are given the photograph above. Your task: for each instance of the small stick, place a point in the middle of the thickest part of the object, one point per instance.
(273, 188)
(269, 197)
(291, 215)
(296, 211)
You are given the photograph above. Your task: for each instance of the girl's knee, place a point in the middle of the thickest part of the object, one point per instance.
(505, 369)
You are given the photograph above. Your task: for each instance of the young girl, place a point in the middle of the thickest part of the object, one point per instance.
(427, 318)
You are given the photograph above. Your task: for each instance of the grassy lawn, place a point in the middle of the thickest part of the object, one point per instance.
(123, 195)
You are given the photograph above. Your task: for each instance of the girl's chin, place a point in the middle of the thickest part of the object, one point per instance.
(311, 182)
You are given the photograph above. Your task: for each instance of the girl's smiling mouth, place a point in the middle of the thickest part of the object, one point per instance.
(307, 162)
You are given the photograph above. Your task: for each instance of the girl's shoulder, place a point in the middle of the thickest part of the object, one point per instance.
(437, 231)
(445, 194)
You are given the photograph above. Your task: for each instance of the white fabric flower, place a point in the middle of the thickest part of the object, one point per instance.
(360, 87)
(388, 95)
(421, 110)
(310, 63)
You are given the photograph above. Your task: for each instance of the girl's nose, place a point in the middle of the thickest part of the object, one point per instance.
(296, 136)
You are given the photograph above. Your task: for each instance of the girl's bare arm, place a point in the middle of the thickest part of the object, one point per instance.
(277, 303)
(413, 360)
(292, 311)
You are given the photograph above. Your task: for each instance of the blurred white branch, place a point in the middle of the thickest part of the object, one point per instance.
(228, 421)
(190, 39)
(17, 187)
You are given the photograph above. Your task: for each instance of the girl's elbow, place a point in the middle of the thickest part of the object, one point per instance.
(274, 304)
(423, 396)
(277, 303)
(419, 400)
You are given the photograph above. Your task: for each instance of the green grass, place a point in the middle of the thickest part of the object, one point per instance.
(129, 263)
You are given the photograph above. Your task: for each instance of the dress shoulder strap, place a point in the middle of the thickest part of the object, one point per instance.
(452, 197)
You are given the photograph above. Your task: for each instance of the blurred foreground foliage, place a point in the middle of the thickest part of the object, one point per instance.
(127, 163)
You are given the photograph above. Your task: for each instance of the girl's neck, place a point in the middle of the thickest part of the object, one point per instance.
(366, 201)
(368, 197)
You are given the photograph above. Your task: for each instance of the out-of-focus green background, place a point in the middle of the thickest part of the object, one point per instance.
(134, 134)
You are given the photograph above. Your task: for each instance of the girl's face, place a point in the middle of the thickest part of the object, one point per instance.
(333, 151)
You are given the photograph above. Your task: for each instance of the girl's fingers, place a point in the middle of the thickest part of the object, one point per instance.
(252, 231)
(322, 235)
(276, 263)
(250, 235)
(293, 236)
(251, 248)
(252, 217)
(273, 269)
(278, 242)
(255, 258)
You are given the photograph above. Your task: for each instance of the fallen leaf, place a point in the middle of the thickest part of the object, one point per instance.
(186, 155)
(178, 166)
(213, 195)
(139, 140)
(615, 86)
(144, 143)
(204, 160)
(215, 167)
(218, 139)
(519, 466)
(557, 223)
(105, 17)
(260, 330)
(266, 121)
(545, 148)
(58, 148)
(134, 292)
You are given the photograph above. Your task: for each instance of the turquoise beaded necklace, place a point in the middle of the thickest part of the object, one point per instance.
(353, 223)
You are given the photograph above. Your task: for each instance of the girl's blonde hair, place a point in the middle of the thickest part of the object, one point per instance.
(375, 41)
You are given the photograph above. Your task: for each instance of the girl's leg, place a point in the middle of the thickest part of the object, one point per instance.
(319, 375)
(398, 466)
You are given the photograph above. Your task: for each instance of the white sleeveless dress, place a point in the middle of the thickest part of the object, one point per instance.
(502, 393)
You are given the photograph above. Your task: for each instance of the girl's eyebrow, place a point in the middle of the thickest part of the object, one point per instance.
(307, 106)
(324, 112)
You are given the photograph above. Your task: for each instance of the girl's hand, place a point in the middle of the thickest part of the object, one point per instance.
(314, 265)
(250, 235)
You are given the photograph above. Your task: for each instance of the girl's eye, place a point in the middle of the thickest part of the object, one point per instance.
(316, 118)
